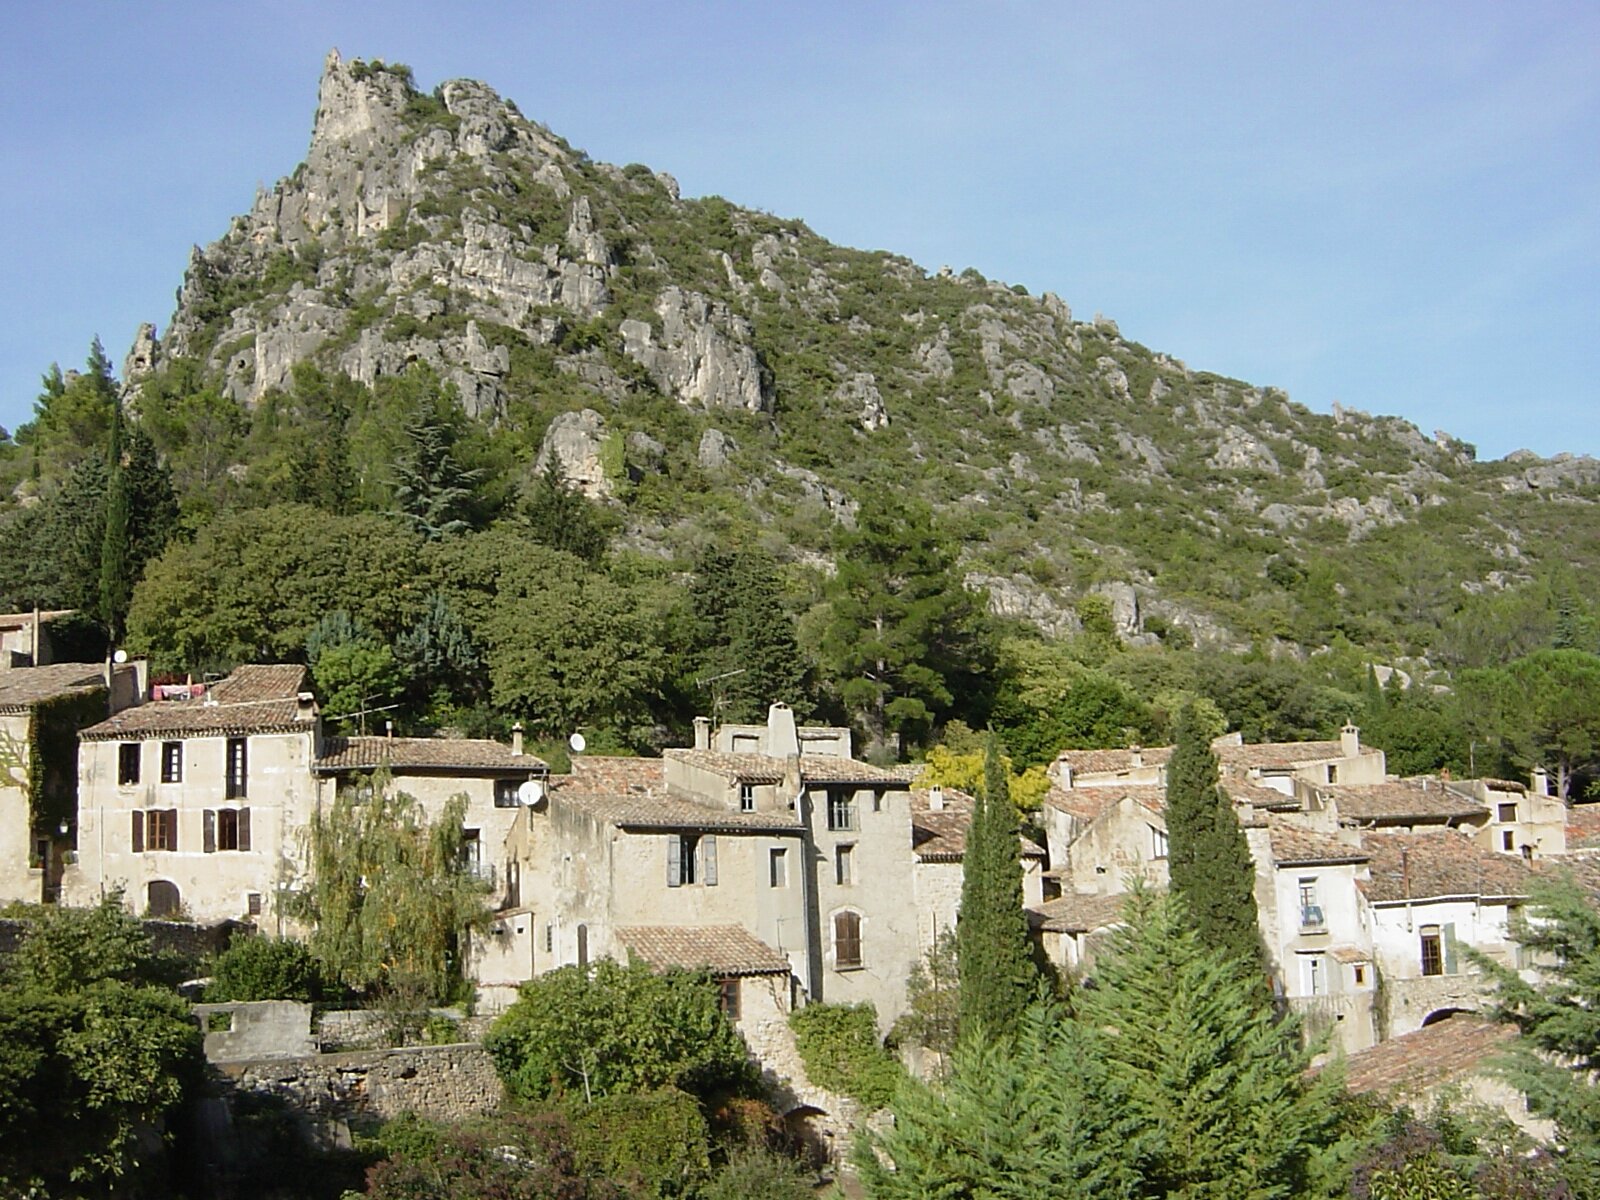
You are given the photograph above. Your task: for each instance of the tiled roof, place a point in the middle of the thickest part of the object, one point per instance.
(720, 949)
(1506, 785)
(1099, 762)
(1583, 827)
(1088, 802)
(1438, 862)
(763, 768)
(1278, 754)
(1444, 1052)
(23, 687)
(597, 775)
(831, 768)
(254, 699)
(1243, 791)
(1294, 846)
(1350, 954)
(19, 620)
(1075, 913)
(655, 811)
(423, 754)
(1408, 800)
(941, 836)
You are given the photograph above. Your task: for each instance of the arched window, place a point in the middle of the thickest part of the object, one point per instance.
(162, 898)
(583, 945)
(846, 941)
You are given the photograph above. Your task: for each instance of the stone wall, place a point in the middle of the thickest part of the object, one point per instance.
(442, 1083)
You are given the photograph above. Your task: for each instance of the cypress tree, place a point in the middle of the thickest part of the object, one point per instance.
(116, 565)
(993, 948)
(1207, 857)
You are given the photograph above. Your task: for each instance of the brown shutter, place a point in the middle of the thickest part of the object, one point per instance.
(138, 832)
(172, 829)
(244, 829)
(209, 831)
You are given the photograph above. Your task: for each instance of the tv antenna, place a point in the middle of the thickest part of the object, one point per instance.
(718, 699)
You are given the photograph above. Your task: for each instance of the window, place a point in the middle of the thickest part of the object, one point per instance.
(252, 904)
(1158, 842)
(1361, 975)
(1432, 951)
(472, 853)
(1333, 773)
(505, 793)
(1316, 976)
(226, 829)
(155, 829)
(549, 939)
(747, 797)
(1312, 919)
(1508, 812)
(162, 899)
(171, 762)
(39, 856)
(841, 811)
(778, 867)
(1508, 839)
(238, 768)
(128, 764)
(844, 864)
(847, 941)
(691, 858)
(728, 997)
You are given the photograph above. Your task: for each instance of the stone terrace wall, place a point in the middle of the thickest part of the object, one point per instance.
(442, 1083)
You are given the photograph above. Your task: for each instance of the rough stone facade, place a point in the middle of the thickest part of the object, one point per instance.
(441, 1083)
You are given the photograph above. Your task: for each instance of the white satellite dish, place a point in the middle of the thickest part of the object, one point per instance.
(530, 792)
(578, 742)
(120, 657)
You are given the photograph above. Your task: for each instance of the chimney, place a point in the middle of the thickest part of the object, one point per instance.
(783, 740)
(305, 705)
(702, 733)
(1136, 755)
(388, 730)
(936, 798)
(516, 740)
(1349, 740)
(1541, 782)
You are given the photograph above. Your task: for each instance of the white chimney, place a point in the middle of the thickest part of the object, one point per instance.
(936, 798)
(1541, 782)
(783, 740)
(1349, 740)
(516, 740)
(1136, 755)
(702, 733)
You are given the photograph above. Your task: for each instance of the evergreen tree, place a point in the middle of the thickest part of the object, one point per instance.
(743, 626)
(1207, 856)
(1214, 1086)
(432, 490)
(116, 565)
(440, 656)
(993, 946)
(561, 517)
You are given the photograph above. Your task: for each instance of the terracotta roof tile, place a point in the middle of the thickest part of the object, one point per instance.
(1089, 801)
(941, 836)
(763, 768)
(254, 699)
(423, 754)
(656, 811)
(1076, 913)
(1244, 791)
(1101, 762)
(1278, 754)
(1293, 845)
(1444, 1052)
(608, 774)
(1408, 800)
(23, 687)
(1438, 862)
(720, 949)
(1583, 827)
(1350, 954)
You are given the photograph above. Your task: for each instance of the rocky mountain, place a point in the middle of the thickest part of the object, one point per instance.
(694, 362)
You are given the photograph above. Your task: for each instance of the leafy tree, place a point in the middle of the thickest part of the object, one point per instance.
(993, 946)
(1214, 1086)
(742, 625)
(70, 949)
(72, 416)
(563, 518)
(440, 655)
(1039, 1115)
(299, 444)
(652, 1143)
(1557, 1013)
(352, 666)
(933, 999)
(389, 893)
(1207, 857)
(197, 431)
(1544, 708)
(903, 636)
(262, 968)
(1049, 701)
(611, 1029)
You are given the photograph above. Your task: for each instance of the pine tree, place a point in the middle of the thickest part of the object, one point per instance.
(116, 565)
(432, 490)
(1214, 1086)
(561, 517)
(993, 946)
(1208, 859)
(744, 627)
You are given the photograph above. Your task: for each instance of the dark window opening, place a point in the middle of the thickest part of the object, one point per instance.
(728, 998)
(128, 763)
(171, 762)
(841, 811)
(238, 768)
(162, 898)
(1432, 951)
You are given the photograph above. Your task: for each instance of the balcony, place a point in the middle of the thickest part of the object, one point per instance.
(1312, 919)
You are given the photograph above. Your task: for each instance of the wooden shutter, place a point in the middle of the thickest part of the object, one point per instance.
(209, 831)
(674, 861)
(846, 940)
(172, 829)
(708, 859)
(138, 832)
(244, 829)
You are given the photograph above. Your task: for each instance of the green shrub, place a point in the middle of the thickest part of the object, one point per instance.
(260, 968)
(653, 1144)
(760, 1175)
(839, 1045)
(440, 1030)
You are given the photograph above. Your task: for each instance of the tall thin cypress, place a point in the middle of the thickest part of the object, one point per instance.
(993, 952)
(116, 566)
(1208, 859)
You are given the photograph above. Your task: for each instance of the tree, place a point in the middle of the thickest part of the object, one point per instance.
(1557, 1014)
(933, 999)
(1207, 857)
(610, 1029)
(1544, 708)
(993, 946)
(1212, 1084)
(389, 893)
(432, 491)
(116, 569)
(742, 626)
(561, 517)
(903, 636)
(440, 656)
(263, 968)
(70, 949)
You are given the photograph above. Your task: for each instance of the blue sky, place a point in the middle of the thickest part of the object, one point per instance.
(1396, 207)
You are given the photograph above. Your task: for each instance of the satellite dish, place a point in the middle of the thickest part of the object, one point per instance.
(120, 657)
(578, 742)
(530, 792)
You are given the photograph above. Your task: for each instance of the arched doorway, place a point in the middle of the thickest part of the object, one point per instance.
(1442, 1014)
(162, 899)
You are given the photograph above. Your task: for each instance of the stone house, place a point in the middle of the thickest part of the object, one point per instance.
(1529, 821)
(41, 711)
(25, 639)
(755, 981)
(1071, 928)
(1102, 838)
(199, 806)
